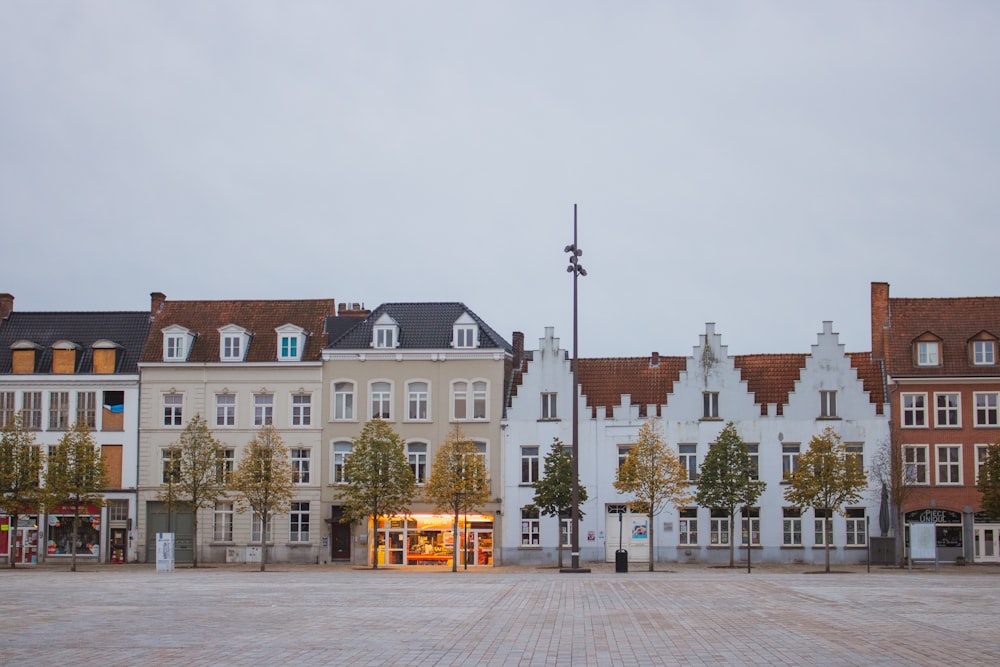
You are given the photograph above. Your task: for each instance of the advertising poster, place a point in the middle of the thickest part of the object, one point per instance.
(640, 529)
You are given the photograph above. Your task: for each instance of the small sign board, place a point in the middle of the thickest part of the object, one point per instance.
(164, 552)
(923, 542)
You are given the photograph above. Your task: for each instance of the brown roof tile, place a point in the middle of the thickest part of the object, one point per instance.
(771, 377)
(604, 380)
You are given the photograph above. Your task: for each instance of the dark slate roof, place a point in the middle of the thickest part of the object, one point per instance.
(127, 329)
(260, 318)
(422, 326)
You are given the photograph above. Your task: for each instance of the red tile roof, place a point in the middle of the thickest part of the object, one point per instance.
(771, 377)
(954, 320)
(603, 381)
(260, 318)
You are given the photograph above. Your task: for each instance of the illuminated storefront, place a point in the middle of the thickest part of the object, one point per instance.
(59, 533)
(429, 539)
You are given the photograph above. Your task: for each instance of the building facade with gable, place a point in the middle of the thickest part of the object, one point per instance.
(778, 402)
(943, 375)
(240, 365)
(426, 369)
(59, 368)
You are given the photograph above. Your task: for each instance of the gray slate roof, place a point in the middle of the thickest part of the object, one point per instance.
(422, 326)
(125, 328)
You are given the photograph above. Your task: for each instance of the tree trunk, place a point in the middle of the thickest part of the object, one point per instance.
(194, 544)
(826, 541)
(649, 536)
(76, 520)
(732, 536)
(12, 522)
(373, 542)
(454, 542)
(263, 540)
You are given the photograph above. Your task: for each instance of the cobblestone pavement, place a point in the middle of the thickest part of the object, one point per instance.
(336, 615)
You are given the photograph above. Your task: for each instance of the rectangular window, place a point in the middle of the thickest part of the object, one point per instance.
(343, 401)
(947, 410)
(465, 337)
(298, 529)
(170, 464)
(927, 353)
(983, 352)
(257, 528)
(223, 522)
(566, 530)
(856, 454)
(86, 408)
(914, 410)
(460, 399)
(529, 465)
(479, 400)
(986, 408)
(381, 400)
(791, 527)
(982, 451)
(300, 466)
(416, 454)
(915, 464)
(687, 531)
(949, 464)
(290, 347)
(417, 397)
(529, 527)
(857, 527)
(173, 406)
(7, 409)
(719, 526)
(753, 450)
(263, 409)
(231, 347)
(789, 460)
(31, 410)
(384, 337)
(549, 405)
(828, 404)
(224, 466)
(302, 410)
(225, 409)
(750, 526)
(341, 450)
(58, 410)
(175, 348)
(822, 519)
(688, 455)
(623, 452)
(710, 404)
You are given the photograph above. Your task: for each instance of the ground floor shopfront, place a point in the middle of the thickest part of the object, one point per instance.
(430, 539)
(964, 535)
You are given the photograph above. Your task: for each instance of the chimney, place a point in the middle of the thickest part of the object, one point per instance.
(6, 305)
(157, 300)
(880, 318)
(654, 360)
(517, 342)
(352, 310)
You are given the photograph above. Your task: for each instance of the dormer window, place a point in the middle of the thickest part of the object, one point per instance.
(64, 354)
(928, 353)
(385, 333)
(465, 333)
(291, 342)
(177, 342)
(233, 343)
(983, 350)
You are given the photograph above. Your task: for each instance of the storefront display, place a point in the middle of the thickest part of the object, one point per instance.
(428, 539)
(60, 533)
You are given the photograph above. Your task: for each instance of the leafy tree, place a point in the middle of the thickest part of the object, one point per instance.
(196, 478)
(263, 480)
(20, 474)
(380, 481)
(897, 482)
(989, 481)
(554, 491)
(725, 480)
(654, 475)
(75, 476)
(828, 477)
(458, 481)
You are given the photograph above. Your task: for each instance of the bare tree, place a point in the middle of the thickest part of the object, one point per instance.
(896, 483)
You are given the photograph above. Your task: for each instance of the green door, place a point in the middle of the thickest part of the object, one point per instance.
(182, 525)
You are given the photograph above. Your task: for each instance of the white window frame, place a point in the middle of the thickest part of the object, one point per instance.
(828, 404)
(753, 451)
(222, 524)
(59, 411)
(417, 456)
(819, 539)
(8, 407)
(86, 409)
(340, 451)
(916, 465)
(710, 405)
(791, 527)
(913, 406)
(291, 342)
(418, 401)
(566, 530)
(385, 409)
(687, 527)
(344, 400)
(856, 527)
(687, 454)
(31, 410)
(177, 343)
(952, 413)
(928, 353)
(473, 395)
(750, 515)
(856, 450)
(257, 526)
(719, 532)
(623, 452)
(301, 410)
(530, 527)
(984, 353)
(987, 409)
(550, 406)
(263, 409)
(790, 452)
(173, 410)
(981, 450)
(225, 464)
(465, 334)
(530, 464)
(300, 458)
(225, 410)
(233, 343)
(170, 459)
(385, 333)
(298, 522)
(948, 464)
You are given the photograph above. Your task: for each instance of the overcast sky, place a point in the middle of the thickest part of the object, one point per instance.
(752, 164)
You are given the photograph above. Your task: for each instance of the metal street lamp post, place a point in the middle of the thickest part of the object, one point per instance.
(577, 270)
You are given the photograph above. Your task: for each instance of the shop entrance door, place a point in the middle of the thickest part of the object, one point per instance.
(26, 545)
(390, 546)
(477, 547)
(987, 541)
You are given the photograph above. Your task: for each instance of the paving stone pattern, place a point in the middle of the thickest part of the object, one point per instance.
(317, 615)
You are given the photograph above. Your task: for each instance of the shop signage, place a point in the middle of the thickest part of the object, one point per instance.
(933, 516)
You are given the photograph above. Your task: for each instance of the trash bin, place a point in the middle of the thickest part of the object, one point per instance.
(621, 560)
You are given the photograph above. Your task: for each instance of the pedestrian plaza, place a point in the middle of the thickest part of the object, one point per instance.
(117, 616)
